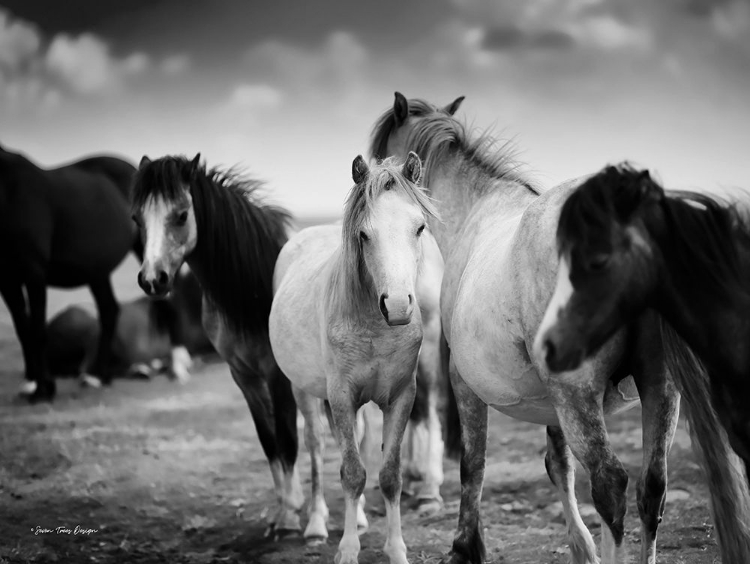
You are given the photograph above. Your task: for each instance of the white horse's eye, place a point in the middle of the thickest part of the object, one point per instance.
(420, 230)
(363, 236)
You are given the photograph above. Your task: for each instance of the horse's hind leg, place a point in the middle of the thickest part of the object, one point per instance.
(395, 417)
(579, 410)
(280, 449)
(468, 546)
(660, 403)
(109, 309)
(36, 290)
(561, 470)
(424, 440)
(316, 531)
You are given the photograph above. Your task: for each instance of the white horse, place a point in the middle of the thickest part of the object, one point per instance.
(498, 242)
(345, 326)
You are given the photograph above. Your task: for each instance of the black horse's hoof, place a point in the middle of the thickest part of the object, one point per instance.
(45, 392)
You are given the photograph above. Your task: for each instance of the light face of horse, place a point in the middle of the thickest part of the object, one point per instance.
(169, 232)
(606, 277)
(391, 248)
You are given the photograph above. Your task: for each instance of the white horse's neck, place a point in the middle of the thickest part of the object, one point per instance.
(458, 188)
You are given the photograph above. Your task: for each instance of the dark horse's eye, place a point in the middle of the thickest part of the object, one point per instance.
(182, 218)
(419, 231)
(599, 261)
(363, 236)
(136, 219)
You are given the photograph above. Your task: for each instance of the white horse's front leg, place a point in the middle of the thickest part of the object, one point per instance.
(316, 531)
(395, 417)
(353, 473)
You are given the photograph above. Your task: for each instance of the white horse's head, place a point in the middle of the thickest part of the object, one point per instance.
(385, 217)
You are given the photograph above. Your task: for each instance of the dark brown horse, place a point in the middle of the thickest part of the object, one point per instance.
(64, 227)
(215, 221)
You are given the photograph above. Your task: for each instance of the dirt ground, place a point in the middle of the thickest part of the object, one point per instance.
(154, 472)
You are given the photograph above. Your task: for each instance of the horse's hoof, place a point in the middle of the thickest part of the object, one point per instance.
(315, 541)
(346, 557)
(27, 388)
(427, 507)
(45, 393)
(89, 381)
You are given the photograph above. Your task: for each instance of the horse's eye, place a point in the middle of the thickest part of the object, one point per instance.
(136, 219)
(599, 261)
(182, 218)
(419, 231)
(363, 236)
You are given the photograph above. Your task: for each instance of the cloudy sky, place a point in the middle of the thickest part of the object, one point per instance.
(291, 88)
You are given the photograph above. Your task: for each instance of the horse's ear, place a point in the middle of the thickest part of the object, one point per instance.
(359, 169)
(649, 190)
(195, 163)
(452, 108)
(412, 169)
(145, 161)
(400, 108)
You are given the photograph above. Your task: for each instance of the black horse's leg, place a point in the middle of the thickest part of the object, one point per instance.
(468, 545)
(12, 292)
(660, 405)
(36, 289)
(109, 310)
(261, 397)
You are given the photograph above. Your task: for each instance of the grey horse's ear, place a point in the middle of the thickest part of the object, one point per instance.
(412, 169)
(145, 161)
(400, 108)
(452, 108)
(360, 169)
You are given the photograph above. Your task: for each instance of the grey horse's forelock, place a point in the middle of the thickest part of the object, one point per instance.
(352, 276)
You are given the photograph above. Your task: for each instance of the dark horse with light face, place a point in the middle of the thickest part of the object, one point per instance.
(215, 222)
(626, 245)
(63, 227)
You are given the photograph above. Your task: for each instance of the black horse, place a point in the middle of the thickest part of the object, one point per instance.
(64, 227)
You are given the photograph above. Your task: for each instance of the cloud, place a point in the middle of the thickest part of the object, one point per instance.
(175, 64)
(512, 37)
(255, 97)
(607, 32)
(19, 43)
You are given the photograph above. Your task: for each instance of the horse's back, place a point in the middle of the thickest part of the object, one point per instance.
(296, 320)
(120, 172)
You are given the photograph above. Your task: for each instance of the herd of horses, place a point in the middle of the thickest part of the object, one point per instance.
(556, 306)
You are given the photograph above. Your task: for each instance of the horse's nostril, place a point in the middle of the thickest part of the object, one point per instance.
(383, 308)
(549, 350)
(162, 278)
(411, 299)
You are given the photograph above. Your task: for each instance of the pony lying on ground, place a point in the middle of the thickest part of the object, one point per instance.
(497, 237)
(145, 342)
(626, 245)
(63, 227)
(346, 327)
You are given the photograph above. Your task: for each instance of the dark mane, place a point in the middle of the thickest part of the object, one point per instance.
(707, 234)
(437, 133)
(239, 236)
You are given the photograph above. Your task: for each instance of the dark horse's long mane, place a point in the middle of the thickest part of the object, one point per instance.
(708, 235)
(239, 236)
(437, 133)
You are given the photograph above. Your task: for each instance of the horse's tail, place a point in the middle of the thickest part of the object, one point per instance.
(452, 420)
(727, 480)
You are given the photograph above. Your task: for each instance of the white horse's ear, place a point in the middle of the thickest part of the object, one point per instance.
(452, 108)
(145, 161)
(412, 169)
(359, 169)
(400, 108)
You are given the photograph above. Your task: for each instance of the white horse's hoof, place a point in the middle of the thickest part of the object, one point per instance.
(315, 541)
(182, 362)
(346, 557)
(89, 381)
(429, 506)
(27, 388)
